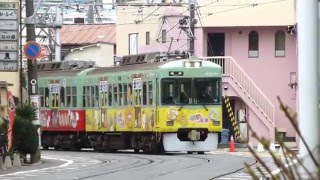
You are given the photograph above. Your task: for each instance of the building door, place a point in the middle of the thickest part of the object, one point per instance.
(215, 46)
(226, 124)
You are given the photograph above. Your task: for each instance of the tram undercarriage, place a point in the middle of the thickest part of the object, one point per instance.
(190, 141)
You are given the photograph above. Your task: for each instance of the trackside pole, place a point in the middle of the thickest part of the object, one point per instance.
(308, 79)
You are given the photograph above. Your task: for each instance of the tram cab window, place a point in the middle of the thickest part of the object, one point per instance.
(207, 90)
(181, 91)
(168, 87)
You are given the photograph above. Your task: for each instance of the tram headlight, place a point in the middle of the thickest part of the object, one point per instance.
(187, 64)
(197, 64)
(193, 64)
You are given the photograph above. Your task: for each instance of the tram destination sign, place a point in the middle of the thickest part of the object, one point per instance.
(9, 35)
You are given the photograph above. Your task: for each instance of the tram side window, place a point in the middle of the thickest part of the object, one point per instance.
(68, 96)
(42, 99)
(110, 95)
(120, 95)
(150, 95)
(62, 96)
(92, 94)
(86, 96)
(96, 96)
(129, 94)
(71, 96)
(115, 95)
(144, 93)
(46, 97)
(125, 96)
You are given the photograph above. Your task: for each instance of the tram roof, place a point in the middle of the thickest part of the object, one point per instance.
(143, 66)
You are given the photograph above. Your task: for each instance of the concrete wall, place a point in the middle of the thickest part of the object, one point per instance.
(230, 13)
(102, 54)
(12, 78)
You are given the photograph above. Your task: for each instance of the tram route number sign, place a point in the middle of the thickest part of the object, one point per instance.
(103, 86)
(54, 88)
(137, 83)
(32, 50)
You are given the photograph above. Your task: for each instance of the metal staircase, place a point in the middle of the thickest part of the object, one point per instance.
(231, 69)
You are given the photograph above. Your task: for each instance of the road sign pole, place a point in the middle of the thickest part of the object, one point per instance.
(32, 70)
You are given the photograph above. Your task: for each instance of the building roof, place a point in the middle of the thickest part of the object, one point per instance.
(85, 34)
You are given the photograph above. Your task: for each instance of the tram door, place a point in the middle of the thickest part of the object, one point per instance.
(54, 96)
(103, 91)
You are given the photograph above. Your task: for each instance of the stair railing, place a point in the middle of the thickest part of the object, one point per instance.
(231, 68)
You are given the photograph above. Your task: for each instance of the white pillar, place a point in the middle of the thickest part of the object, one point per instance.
(57, 35)
(308, 80)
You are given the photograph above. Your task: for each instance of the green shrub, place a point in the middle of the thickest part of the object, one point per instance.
(25, 134)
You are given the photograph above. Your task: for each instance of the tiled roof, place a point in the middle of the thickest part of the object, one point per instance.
(85, 34)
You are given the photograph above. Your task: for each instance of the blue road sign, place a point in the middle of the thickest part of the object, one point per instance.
(32, 50)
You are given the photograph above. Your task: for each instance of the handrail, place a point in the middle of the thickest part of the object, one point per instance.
(233, 69)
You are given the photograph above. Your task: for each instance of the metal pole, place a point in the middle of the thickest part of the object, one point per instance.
(57, 32)
(20, 69)
(308, 82)
(191, 9)
(32, 68)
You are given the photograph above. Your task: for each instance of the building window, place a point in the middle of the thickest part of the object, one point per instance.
(253, 44)
(147, 38)
(280, 41)
(164, 36)
(133, 43)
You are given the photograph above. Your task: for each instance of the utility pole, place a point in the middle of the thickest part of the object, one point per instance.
(192, 22)
(308, 80)
(32, 68)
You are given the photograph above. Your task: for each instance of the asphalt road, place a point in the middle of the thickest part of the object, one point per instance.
(68, 165)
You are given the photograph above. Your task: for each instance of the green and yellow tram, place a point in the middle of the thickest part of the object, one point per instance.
(145, 103)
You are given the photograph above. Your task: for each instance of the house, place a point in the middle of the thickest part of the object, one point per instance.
(91, 42)
(255, 43)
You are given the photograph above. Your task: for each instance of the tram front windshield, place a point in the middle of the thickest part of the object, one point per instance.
(178, 91)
